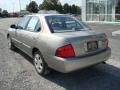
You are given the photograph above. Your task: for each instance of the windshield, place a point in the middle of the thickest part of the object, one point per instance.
(64, 24)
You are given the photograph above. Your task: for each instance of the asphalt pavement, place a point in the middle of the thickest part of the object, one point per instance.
(17, 71)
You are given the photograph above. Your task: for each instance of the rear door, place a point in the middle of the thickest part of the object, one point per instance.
(30, 34)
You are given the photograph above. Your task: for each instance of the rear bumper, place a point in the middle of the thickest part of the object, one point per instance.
(72, 64)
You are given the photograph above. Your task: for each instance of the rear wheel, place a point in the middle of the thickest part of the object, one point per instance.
(10, 44)
(40, 65)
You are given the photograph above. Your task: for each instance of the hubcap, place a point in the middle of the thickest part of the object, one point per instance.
(38, 63)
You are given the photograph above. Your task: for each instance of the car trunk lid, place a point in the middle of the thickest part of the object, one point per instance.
(85, 42)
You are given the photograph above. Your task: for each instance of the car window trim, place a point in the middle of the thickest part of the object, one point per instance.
(35, 25)
(27, 22)
(50, 28)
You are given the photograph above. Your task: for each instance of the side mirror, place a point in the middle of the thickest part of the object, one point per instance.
(13, 26)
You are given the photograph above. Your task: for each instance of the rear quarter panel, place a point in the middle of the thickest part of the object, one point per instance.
(47, 44)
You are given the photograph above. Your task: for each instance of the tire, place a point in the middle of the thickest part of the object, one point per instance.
(10, 44)
(40, 65)
(104, 62)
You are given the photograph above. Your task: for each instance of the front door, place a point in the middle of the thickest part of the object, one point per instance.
(20, 30)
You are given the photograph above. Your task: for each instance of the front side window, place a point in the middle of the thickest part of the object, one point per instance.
(64, 24)
(32, 25)
(23, 22)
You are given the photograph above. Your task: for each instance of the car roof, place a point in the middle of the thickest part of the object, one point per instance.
(44, 15)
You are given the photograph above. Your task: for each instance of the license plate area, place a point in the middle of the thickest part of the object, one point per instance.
(92, 46)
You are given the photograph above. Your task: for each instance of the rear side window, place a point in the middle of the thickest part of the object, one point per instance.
(38, 27)
(34, 24)
(23, 22)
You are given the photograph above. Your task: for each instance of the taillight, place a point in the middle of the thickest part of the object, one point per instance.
(65, 51)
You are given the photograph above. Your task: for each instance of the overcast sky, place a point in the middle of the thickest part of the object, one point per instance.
(13, 5)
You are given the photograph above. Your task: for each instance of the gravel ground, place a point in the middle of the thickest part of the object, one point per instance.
(17, 71)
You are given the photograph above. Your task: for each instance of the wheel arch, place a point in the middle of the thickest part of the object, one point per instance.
(34, 50)
(8, 35)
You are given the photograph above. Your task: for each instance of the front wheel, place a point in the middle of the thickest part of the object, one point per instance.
(40, 65)
(10, 44)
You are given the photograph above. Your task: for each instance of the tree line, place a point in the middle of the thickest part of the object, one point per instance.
(4, 13)
(56, 5)
(33, 7)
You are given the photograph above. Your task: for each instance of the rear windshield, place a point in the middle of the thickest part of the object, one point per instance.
(65, 24)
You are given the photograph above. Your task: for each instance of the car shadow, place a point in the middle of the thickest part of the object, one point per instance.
(98, 77)
(23, 55)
